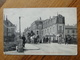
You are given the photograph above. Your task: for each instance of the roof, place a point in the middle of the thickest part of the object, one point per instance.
(49, 22)
(37, 22)
(70, 26)
(8, 23)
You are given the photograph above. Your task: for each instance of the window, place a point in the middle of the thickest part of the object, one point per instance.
(9, 30)
(60, 29)
(9, 24)
(45, 31)
(73, 31)
(50, 30)
(48, 21)
(67, 31)
(76, 31)
(42, 32)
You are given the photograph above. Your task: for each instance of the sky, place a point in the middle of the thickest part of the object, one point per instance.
(29, 15)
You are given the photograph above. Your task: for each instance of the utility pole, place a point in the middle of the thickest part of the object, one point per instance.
(20, 26)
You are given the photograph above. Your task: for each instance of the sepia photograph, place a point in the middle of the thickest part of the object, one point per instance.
(40, 31)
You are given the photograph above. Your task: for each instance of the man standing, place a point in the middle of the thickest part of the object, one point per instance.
(66, 38)
(23, 37)
(60, 39)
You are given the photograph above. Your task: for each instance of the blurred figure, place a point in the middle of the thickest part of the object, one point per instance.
(66, 40)
(32, 38)
(19, 46)
(44, 40)
(23, 38)
(60, 39)
(28, 37)
(49, 40)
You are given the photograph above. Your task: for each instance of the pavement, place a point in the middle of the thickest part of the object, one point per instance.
(58, 49)
(30, 47)
(47, 49)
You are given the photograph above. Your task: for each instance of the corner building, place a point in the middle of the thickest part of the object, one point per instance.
(52, 27)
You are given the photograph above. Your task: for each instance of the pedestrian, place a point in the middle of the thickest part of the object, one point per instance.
(69, 39)
(37, 39)
(44, 40)
(23, 38)
(60, 39)
(66, 40)
(28, 36)
(49, 40)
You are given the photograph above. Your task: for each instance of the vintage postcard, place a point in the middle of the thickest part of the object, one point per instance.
(40, 31)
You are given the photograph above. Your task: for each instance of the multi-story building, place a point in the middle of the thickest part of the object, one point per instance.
(37, 27)
(71, 30)
(9, 29)
(52, 27)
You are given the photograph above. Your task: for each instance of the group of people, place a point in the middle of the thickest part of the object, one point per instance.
(32, 37)
(68, 39)
(46, 40)
(60, 39)
(35, 38)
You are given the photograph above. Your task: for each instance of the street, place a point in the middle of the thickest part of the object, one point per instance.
(58, 49)
(47, 49)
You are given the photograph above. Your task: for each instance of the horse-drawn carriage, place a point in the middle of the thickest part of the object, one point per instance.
(34, 39)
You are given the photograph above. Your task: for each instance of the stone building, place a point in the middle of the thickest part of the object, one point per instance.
(52, 27)
(37, 27)
(71, 30)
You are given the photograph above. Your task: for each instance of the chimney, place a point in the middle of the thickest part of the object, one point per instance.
(40, 18)
(6, 17)
(50, 17)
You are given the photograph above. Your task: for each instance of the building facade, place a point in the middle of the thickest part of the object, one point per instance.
(52, 27)
(9, 29)
(37, 27)
(71, 30)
